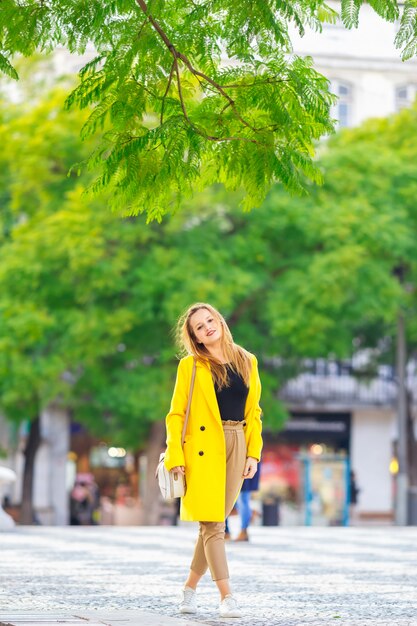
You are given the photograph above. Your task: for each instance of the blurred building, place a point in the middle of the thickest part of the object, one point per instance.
(338, 422)
(363, 65)
(50, 488)
(335, 417)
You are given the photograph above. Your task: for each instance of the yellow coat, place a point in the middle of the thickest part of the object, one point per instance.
(206, 473)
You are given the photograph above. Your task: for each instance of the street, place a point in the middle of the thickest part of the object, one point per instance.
(282, 577)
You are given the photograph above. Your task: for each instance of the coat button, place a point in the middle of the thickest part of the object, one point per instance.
(202, 428)
(201, 453)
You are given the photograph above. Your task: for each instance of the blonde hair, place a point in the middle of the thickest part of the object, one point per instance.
(236, 357)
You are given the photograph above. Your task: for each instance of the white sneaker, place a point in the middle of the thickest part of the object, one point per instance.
(189, 601)
(229, 607)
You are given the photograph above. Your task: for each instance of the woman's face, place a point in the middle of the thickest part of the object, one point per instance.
(206, 327)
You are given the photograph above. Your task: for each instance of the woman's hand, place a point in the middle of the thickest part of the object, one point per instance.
(180, 469)
(251, 467)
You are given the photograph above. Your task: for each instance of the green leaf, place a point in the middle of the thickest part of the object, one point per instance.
(7, 68)
(172, 113)
(350, 12)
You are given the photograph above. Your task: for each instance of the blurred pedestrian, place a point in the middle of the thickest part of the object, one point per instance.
(84, 501)
(223, 441)
(244, 506)
(227, 533)
(353, 497)
(81, 505)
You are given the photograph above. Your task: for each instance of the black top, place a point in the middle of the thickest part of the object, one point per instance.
(232, 399)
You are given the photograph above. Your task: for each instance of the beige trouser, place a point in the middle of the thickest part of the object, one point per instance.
(210, 550)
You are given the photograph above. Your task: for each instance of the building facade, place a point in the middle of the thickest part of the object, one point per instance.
(363, 65)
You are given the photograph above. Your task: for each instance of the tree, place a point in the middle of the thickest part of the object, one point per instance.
(190, 94)
(88, 300)
(34, 163)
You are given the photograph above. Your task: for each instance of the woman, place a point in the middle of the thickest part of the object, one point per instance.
(223, 441)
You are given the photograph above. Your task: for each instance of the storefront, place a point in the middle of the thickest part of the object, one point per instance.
(110, 472)
(306, 469)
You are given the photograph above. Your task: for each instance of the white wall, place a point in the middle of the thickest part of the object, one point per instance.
(371, 453)
(50, 483)
(366, 58)
(373, 39)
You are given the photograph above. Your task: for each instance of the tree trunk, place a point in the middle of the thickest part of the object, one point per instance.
(32, 445)
(411, 443)
(151, 500)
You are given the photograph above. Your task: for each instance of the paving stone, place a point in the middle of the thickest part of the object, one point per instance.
(117, 618)
(282, 577)
(42, 622)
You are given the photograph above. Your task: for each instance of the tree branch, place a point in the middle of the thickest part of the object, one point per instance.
(196, 129)
(178, 55)
(154, 95)
(184, 110)
(217, 86)
(171, 73)
(141, 28)
(144, 7)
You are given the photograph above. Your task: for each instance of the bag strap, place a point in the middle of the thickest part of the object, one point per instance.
(190, 395)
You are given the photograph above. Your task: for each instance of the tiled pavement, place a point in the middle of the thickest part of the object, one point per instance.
(282, 577)
(85, 618)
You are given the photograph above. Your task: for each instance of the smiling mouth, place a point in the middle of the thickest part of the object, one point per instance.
(209, 334)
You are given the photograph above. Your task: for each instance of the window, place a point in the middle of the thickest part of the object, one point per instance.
(405, 96)
(331, 26)
(342, 110)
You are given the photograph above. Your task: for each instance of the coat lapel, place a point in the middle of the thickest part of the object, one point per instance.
(207, 386)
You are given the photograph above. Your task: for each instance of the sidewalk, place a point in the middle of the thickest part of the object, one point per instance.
(282, 577)
(84, 618)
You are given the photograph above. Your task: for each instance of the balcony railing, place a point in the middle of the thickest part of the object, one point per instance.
(332, 384)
